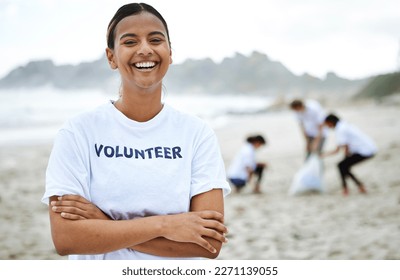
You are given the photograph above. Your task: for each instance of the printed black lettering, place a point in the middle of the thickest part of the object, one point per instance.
(98, 150)
(158, 152)
(149, 152)
(139, 153)
(176, 152)
(109, 151)
(126, 154)
(167, 153)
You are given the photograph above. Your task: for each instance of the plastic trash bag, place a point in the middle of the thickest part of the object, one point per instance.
(309, 177)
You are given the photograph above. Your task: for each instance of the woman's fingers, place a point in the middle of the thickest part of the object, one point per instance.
(71, 213)
(196, 227)
(210, 234)
(71, 200)
(73, 206)
(206, 245)
(70, 216)
(212, 224)
(214, 235)
(209, 214)
(73, 197)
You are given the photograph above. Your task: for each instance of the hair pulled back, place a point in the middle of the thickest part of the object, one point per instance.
(129, 10)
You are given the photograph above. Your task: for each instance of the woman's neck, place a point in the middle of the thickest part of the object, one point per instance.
(140, 107)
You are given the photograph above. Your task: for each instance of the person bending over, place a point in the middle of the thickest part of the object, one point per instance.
(357, 147)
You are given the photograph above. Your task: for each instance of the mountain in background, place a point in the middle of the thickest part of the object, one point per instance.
(41, 73)
(253, 74)
(381, 86)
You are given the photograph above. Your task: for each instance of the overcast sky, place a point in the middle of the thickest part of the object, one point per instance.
(354, 38)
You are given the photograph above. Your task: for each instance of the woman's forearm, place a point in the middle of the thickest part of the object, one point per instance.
(211, 200)
(94, 236)
(167, 248)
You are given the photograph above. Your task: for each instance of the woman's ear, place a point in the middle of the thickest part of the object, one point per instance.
(110, 58)
(170, 57)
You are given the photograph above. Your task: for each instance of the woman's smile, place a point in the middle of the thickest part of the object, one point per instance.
(145, 66)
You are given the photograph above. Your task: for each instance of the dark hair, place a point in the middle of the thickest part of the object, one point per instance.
(128, 10)
(256, 139)
(331, 118)
(297, 103)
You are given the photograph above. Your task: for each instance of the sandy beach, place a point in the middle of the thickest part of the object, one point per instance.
(271, 225)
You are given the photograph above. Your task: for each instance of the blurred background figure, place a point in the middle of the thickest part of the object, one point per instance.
(357, 146)
(311, 116)
(244, 165)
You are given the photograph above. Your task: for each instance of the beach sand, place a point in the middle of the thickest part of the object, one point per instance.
(271, 225)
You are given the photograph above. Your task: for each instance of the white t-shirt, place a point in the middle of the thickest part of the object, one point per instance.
(135, 169)
(355, 139)
(245, 158)
(311, 118)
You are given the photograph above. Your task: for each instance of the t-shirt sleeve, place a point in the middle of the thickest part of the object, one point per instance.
(208, 169)
(66, 171)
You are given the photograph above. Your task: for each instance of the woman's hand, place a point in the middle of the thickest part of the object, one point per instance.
(75, 207)
(193, 227)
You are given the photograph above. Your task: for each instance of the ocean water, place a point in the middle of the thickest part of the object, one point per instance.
(34, 116)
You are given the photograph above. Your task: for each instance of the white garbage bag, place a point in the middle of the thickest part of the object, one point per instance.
(309, 177)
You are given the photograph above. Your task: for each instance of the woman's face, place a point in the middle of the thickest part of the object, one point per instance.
(141, 53)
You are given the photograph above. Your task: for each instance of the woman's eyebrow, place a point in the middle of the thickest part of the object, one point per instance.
(127, 35)
(134, 35)
(157, 33)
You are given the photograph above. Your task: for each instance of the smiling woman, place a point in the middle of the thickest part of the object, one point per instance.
(138, 44)
(169, 201)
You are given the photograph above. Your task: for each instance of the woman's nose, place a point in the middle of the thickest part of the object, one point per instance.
(144, 49)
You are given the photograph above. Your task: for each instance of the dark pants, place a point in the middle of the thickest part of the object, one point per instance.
(258, 172)
(345, 165)
(238, 183)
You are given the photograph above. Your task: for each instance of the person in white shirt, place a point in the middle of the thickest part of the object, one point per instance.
(245, 165)
(311, 116)
(134, 178)
(357, 147)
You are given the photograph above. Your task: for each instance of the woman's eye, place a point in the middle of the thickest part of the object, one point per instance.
(129, 42)
(156, 40)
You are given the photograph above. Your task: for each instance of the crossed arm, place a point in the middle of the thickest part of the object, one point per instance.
(79, 227)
